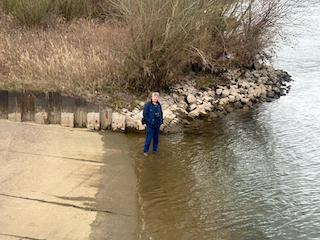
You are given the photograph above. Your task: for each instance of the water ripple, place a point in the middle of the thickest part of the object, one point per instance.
(250, 176)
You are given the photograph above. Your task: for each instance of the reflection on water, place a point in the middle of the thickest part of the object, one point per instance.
(252, 175)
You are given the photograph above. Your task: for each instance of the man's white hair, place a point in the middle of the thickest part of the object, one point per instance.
(155, 94)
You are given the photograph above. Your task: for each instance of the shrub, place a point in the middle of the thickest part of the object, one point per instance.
(169, 36)
(161, 32)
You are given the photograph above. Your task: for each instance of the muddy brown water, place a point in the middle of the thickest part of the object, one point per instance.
(249, 176)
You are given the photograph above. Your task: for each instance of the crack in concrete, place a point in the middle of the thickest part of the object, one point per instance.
(20, 237)
(55, 156)
(66, 205)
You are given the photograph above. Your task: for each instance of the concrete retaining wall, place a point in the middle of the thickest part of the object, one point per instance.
(54, 108)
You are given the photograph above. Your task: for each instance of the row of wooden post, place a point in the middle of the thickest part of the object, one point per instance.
(53, 108)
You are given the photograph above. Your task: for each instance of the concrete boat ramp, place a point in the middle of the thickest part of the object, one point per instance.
(64, 183)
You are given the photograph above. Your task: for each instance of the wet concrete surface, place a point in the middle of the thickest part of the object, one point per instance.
(62, 183)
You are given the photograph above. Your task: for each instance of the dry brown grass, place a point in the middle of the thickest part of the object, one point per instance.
(76, 58)
(148, 44)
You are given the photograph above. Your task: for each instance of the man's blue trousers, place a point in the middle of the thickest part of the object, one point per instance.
(152, 134)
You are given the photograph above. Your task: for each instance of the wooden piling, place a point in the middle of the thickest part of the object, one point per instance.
(28, 107)
(54, 107)
(41, 108)
(3, 104)
(15, 106)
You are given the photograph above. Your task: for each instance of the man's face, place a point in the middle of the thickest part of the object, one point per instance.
(155, 98)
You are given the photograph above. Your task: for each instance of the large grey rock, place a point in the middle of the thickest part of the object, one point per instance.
(257, 91)
(238, 105)
(256, 74)
(206, 98)
(173, 107)
(232, 98)
(251, 90)
(134, 122)
(207, 106)
(219, 91)
(192, 107)
(234, 87)
(244, 84)
(237, 97)
(225, 93)
(263, 91)
(202, 110)
(191, 99)
(199, 101)
(181, 112)
(165, 104)
(194, 114)
(271, 94)
(136, 110)
(250, 96)
(182, 104)
(124, 111)
(168, 116)
(242, 90)
(263, 80)
(276, 89)
(224, 101)
(141, 104)
(211, 93)
(249, 103)
(245, 100)
(176, 97)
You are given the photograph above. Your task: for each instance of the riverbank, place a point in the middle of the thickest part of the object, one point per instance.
(196, 97)
(203, 57)
(62, 183)
(116, 53)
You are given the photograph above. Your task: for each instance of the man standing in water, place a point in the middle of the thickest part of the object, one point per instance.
(153, 117)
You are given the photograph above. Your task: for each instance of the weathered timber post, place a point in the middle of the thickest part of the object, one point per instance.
(3, 104)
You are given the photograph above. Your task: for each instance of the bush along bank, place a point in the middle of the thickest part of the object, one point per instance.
(184, 102)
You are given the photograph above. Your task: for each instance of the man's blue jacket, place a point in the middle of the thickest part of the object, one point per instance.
(153, 114)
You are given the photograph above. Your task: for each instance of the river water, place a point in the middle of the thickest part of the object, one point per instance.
(250, 176)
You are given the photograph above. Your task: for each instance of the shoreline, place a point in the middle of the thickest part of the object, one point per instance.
(186, 101)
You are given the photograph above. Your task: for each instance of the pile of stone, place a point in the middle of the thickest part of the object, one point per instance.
(242, 91)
